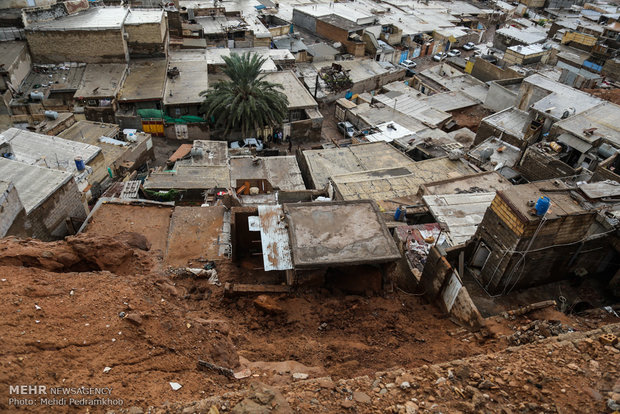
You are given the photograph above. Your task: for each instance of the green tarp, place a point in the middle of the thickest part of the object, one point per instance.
(159, 114)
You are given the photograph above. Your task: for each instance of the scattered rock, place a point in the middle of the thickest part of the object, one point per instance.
(347, 404)
(268, 305)
(486, 385)
(135, 318)
(405, 385)
(361, 397)
(300, 376)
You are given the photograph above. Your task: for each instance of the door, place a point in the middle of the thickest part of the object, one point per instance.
(480, 256)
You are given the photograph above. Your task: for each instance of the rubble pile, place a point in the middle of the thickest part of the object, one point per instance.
(537, 330)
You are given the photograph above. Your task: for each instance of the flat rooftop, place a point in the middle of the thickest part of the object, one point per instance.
(53, 78)
(340, 233)
(145, 81)
(484, 182)
(282, 172)
(143, 16)
(325, 163)
(604, 118)
(297, 94)
(48, 151)
(101, 80)
(502, 154)
(95, 18)
(510, 120)
(186, 87)
(189, 177)
(526, 36)
(34, 184)
(391, 183)
(214, 153)
(562, 204)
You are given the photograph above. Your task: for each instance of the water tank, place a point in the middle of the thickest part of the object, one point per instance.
(542, 205)
(606, 150)
(348, 95)
(79, 164)
(196, 152)
(486, 153)
(51, 114)
(400, 213)
(131, 137)
(36, 96)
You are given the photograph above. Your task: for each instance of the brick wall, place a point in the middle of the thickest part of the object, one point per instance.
(96, 46)
(602, 172)
(146, 33)
(535, 166)
(47, 222)
(332, 32)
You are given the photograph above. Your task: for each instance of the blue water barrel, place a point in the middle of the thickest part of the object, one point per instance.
(397, 214)
(348, 95)
(542, 205)
(79, 164)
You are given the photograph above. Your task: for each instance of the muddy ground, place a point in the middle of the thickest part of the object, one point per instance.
(125, 309)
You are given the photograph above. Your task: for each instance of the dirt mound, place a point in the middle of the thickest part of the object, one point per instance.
(122, 254)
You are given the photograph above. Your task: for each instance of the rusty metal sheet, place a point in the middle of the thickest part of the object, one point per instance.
(274, 238)
(601, 189)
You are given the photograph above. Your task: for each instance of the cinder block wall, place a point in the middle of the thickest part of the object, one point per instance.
(48, 220)
(96, 46)
(534, 166)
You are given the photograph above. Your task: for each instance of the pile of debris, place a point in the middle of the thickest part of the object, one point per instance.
(335, 77)
(539, 329)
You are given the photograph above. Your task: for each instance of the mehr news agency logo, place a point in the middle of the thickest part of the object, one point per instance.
(30, 395)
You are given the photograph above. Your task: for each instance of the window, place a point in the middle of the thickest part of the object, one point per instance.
(480, 256)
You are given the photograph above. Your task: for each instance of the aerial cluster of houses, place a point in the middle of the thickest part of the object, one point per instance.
(465, 176)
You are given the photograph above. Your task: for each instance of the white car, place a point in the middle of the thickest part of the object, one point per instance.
(247, 143)
(408, 64)
(439, 57)
(469, 46)
(454, 53)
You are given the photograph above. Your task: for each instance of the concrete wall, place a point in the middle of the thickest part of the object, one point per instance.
(529, 94)
(11, 209)
(97, 46)
(47, 222)
(535, 166)
(306, 130)
(436, 278)
(602, 172)
(304, 20)
(486, 71)
(18, 71)
(486, 130)
(147, 33)
(499, 97)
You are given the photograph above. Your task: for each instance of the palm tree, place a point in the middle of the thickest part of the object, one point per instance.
(246, 102)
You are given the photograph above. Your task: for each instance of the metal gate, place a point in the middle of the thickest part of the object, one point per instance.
(153, 126)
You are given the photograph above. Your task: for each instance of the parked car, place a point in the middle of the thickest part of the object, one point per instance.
(469, 46)
(346, 128)
(247, 143)
(454, 53)
(439, 57)
(408, 64)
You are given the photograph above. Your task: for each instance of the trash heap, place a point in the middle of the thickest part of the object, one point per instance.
(537, 330)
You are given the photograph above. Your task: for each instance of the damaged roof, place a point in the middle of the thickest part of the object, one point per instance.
(282, 172)
(338, 233)
(101, 80)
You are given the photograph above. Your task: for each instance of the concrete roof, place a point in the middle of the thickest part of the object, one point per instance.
(101, 80)
(214, 153)
(297, 94)
(48, 151)
(461, 213)
(562, 204)
(186, 87)
(325, 163)
(392, 183)
(484, 182)
(144, 16)
(9, 52)
(34, 184)
(526, 36)
(95, 18)
(561, 98)
(507, 157)
(359, 69)
(59, 79)
(511, 120)
(450, 101)
(347, 11)
(604, 118)
(322, 49)
(189, 177)
(145, 81)
(414, 107)
(89, 132)
(282, 172)
(341, 233)
(290, 43)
